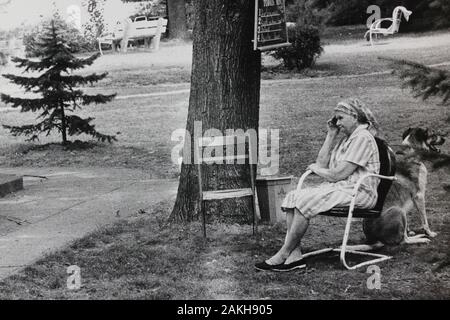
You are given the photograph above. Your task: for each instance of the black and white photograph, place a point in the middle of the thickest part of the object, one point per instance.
(224, 155)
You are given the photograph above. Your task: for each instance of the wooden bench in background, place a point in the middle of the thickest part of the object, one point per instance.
(149, 29)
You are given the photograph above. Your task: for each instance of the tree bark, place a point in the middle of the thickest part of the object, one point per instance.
(225, 89)
(177, 19)
(63, 126)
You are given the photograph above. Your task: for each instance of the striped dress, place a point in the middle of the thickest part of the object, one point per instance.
(359, 148)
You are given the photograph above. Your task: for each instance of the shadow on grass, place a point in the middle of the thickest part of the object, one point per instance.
(143, 257)
(93, 154)
(273, 72)
(70, 145)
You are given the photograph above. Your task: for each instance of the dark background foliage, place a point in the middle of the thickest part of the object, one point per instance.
(427, 14)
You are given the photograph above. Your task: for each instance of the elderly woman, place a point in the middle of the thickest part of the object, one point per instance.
(341, 162)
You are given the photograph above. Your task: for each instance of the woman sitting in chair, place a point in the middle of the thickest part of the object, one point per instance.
(341, 162)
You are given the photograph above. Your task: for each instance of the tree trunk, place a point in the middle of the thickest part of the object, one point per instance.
(177, 19)
(63, 126)
(225, 88)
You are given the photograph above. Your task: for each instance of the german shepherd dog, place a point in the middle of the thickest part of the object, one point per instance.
(406, 193)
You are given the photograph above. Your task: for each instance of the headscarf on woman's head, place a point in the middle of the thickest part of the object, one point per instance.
(361, 112)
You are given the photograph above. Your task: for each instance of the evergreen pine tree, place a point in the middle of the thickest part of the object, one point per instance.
(424, 81)
(57, 89)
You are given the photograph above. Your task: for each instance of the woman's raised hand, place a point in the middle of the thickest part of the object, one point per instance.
(333, 129)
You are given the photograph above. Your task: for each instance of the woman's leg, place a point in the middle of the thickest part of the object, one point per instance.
(289, 217)
(295, 254)
(298, 227)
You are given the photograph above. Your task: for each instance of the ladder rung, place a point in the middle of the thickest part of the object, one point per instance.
(220, 159)
(222, 141)
(227, 194)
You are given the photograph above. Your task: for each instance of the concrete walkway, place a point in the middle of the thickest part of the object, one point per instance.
(66, 205)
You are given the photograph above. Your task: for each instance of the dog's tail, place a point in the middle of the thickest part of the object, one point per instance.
(388, 228)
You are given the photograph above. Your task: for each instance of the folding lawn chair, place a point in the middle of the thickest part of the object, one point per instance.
(238, 157)
(393, 28)
(386, 175)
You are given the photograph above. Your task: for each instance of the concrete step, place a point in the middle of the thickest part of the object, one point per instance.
(10, 183)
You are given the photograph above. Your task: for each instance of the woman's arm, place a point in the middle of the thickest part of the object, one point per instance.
(342, 171)
(323, 158)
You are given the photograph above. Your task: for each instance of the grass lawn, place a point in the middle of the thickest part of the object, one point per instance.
(143, 258)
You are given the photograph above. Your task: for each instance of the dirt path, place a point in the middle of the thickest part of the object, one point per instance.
(348, 58)
(67, 205)
(181, 54)
(389, 43)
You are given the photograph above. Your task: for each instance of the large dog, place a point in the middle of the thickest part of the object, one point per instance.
(406, 193)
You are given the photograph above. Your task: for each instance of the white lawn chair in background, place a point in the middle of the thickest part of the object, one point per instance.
(376, 28)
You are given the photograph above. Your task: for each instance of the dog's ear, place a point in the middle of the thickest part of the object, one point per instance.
(406, 133)
(423, 134)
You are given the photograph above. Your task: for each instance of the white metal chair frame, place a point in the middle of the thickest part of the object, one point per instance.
(376, 28)
(222, 141)
(343, 249)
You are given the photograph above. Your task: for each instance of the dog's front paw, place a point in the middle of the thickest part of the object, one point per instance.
(430, 233)
(417, 239)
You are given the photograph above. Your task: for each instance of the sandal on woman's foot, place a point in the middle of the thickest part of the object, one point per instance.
(264, 266)
(290, 266)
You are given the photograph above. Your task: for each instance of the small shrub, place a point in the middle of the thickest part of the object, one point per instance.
(305, 48)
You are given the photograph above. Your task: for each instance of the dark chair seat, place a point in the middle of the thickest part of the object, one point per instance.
(357, 212)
